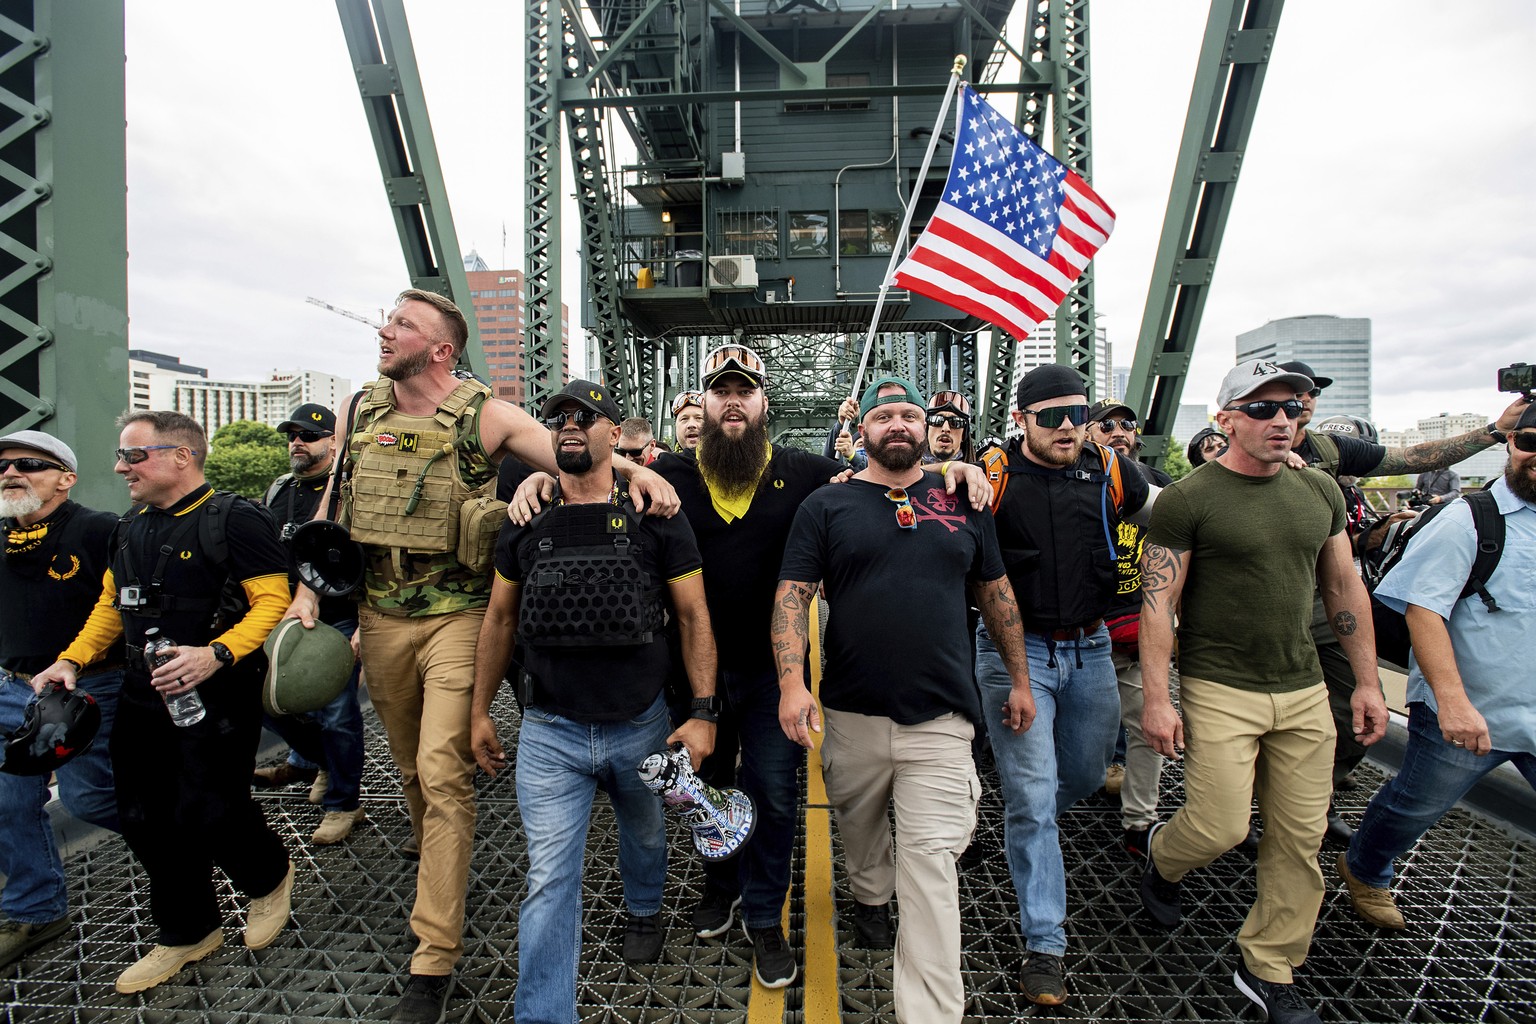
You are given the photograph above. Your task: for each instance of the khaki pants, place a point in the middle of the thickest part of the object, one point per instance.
(420, 674)
(1143, 765)
(927, 770)
(1278, 747)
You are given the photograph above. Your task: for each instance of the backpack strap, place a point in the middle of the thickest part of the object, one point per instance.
(1489, 526)
(277, 485)
(1327, 450)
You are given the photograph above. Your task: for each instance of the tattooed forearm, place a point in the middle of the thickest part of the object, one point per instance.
(997, 604)
(790, 626)
(1344, 624)
(1441, 454)
(1160, 580)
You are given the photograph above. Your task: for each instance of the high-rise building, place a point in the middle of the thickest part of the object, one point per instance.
(1040, 348)
(159, 381)
(152, 378)
(498, 297)
(1192, 418)
(1334, 346)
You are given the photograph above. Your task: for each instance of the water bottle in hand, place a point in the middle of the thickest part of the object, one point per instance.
(187, 709)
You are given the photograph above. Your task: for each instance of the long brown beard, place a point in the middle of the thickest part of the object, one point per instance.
(1522, 483)
(734, 464)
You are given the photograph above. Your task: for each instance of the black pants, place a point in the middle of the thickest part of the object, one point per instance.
(184, 797)
(1340, 680)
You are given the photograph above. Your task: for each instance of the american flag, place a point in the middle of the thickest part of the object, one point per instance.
(1013, 229)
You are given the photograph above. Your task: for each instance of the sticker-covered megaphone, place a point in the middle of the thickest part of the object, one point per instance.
(721, 819)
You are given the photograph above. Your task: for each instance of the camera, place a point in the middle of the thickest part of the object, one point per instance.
(1518, 377)
(288, 530)
(131, 597)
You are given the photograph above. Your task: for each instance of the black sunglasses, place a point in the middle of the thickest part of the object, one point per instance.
(1266, 410)
(1053, 418)
(307, 436)
(27, 464)
(939, 419)
(134, 456)
(1108, 425)
(1525, 440)
(583, 418)
(631, 453)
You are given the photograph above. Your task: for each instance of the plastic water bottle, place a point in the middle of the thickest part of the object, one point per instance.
(186, 709)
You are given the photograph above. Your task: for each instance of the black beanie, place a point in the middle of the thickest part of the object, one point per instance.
(1049, 381)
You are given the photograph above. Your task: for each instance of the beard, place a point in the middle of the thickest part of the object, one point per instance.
(574, 463)
(735, 463)
(302, 461)
(1521, 481)
(17, 503)
(898, 459)
(407, 367)
(1045, 450)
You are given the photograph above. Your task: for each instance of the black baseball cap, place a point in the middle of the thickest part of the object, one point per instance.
(310, 416)
(1105, 408)
(1297, 366)
(587, 394)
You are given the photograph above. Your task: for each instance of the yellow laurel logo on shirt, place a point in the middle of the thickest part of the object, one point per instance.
(186, 556)
(74, 567)
(778, 485)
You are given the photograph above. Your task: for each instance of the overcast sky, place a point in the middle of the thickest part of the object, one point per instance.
(1389, 176)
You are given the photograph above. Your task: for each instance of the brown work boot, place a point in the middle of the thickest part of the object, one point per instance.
(276, 776)
(336, 826)
(319, 786)
(268, 915)
(1375, 906)
(162, 963)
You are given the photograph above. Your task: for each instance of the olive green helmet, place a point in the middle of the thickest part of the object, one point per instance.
(306, 668)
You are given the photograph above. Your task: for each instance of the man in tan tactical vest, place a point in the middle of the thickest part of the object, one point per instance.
(421, 453)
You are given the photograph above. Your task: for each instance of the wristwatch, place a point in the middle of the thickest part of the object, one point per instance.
(1495, 433)
(224, 654)
(705, 709)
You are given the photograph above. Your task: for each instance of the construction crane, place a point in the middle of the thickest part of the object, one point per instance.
(360, 318)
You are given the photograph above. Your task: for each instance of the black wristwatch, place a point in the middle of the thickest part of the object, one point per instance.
(224, 654)
(1497, 434)
(705, 709)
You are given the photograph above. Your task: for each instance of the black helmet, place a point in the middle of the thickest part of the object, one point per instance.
(58, 727)
(328, 560)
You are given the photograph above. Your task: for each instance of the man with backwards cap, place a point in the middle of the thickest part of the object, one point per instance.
(1233, 554)
(1063, 500)
(587, 587)
(56, 552)
(687, 419)
(331, 738)
(894, 549)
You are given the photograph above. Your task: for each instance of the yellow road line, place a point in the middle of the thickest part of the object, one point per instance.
(821, 1004)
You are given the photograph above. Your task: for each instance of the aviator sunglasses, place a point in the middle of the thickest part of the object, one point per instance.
(905, 517)
(1053, 418)
(1126, 425)
(583, 418)
(1266, 410)
(27, 464)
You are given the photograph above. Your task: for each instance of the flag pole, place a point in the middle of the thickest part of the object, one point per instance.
(898, 250)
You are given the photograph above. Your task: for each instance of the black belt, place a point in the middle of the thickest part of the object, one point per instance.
(1069, 632)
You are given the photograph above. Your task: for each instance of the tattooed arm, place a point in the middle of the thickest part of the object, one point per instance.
(1349, 613)
(1444, 453)
(1001, 613)
(1163, 572)
(790, 634)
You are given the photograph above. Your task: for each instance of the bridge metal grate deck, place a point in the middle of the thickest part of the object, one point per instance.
(1469, 954)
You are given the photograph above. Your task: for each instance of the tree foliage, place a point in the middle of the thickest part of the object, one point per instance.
(1175, 462)
(245, 457)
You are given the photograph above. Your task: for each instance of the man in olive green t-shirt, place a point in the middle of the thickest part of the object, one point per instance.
(1235, 548)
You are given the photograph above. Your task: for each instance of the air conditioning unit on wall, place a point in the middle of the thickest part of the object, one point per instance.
(726, 272)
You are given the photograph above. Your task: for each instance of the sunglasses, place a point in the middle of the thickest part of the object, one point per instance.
(905, 517)
(583, 418)
(307, 436)
(633, 453)
(1053, 418)
(1108, 425)
(30, 465)
(938, 419)
(134, 456)
(954, 398)
(685, 399)
(1525, 440)
(1314, 392)
(1267, 409)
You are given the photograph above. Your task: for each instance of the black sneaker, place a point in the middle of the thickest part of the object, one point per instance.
(1250, 843)
(1159, 896)
(772, 961)
(1339, 832)
(1135, 841)
(424, 1001)
(714, 912)
(1282, 1003)
(1041, 980)
(872, 924)
(643, 939)
(18, 938)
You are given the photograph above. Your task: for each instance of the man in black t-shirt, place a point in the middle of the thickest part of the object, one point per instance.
(55, 554)
(333, 736)
(586, 586)
(894, 549)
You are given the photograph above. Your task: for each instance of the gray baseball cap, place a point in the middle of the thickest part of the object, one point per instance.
(41, 442)
(1246, 378)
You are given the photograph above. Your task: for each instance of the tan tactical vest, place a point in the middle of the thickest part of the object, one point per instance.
(405, 490)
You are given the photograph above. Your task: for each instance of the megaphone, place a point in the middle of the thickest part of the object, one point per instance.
(326, 558)
(722, 820)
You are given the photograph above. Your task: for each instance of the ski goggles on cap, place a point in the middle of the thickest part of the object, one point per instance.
(733, 359)
(685, 399)
(951, 400)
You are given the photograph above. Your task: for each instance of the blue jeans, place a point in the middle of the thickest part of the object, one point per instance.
(35, 892)
(770, 765)
(1046, 769)
(1433, 777)
(560, 764)
(331, 738)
